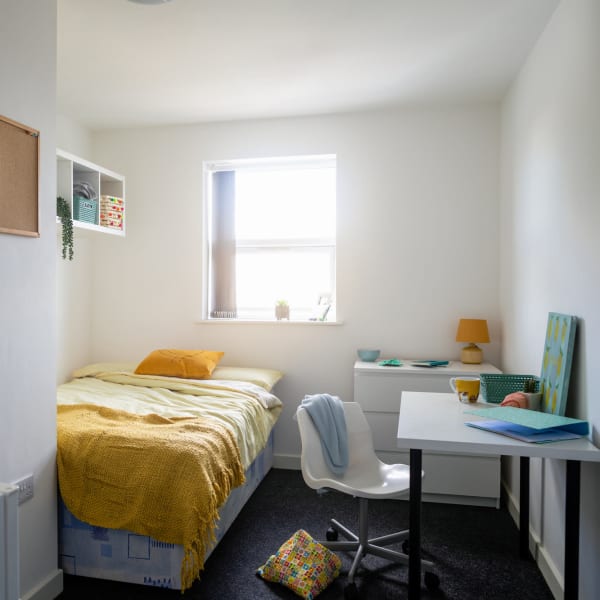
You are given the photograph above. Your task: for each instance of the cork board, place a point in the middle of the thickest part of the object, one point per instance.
(19, 156)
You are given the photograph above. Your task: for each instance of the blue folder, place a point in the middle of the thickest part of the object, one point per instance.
(529, 425)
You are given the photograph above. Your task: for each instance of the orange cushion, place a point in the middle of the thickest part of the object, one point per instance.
(516, 399)
(188, 364)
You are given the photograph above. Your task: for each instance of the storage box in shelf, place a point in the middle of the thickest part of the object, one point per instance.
(495, 387)
(107, 220)
(112, 201)
(85, 209)
(111, 212)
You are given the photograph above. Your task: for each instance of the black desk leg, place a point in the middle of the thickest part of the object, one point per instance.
(414, 540)
(524, 508)
(572, 502)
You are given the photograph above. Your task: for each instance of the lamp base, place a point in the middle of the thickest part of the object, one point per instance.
(471, 355)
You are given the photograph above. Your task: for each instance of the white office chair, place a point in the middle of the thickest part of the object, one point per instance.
(366, 477)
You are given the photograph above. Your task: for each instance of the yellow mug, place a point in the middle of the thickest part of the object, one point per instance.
(467, 388)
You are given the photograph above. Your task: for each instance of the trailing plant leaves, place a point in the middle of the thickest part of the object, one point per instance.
(63, 210)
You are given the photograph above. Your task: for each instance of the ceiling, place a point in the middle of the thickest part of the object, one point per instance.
(122, 64)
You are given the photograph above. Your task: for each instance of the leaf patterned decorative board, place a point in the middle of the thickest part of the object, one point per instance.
(556, 362)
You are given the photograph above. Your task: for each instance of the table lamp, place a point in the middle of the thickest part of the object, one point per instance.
(473, 331)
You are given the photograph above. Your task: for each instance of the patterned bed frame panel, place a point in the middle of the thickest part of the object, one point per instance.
(121, 555)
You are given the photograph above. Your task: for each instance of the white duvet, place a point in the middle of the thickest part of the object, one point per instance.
(247, 409)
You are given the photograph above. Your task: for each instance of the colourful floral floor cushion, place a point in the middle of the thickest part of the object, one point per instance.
(303, 565)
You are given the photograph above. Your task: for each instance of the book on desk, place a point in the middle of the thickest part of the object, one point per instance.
(528, 425)
(430, 364)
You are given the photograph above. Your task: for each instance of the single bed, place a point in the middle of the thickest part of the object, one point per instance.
(144, 458)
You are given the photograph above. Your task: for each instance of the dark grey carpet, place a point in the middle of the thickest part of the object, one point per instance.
(475, 551)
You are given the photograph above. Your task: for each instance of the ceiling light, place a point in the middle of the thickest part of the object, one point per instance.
(150, 1)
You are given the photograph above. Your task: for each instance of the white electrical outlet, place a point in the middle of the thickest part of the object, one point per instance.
(25, 488)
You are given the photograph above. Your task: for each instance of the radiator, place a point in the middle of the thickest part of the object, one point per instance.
(9, 542)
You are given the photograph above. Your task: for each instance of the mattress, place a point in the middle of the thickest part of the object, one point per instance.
(120, 555)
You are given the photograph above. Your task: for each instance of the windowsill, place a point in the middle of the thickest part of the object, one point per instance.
(282, 322)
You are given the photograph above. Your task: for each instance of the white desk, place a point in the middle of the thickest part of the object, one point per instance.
(430, 421)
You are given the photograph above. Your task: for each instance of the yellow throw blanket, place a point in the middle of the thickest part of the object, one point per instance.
(156, 476)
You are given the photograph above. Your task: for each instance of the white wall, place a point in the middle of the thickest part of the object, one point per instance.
(550, 249)
(417, 243)
(73, 137)
(27, 298)
(74, 278)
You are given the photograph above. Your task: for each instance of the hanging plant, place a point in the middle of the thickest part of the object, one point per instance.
(63, 210)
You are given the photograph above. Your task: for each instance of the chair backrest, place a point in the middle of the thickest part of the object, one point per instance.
(360, 447)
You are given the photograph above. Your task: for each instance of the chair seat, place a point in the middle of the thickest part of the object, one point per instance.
(380, 480)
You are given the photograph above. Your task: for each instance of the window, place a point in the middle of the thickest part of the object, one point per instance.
(270, 238)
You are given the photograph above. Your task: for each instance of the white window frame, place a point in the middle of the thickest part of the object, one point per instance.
(210, 167)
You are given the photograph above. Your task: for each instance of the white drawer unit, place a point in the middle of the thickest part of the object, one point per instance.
(453, 478)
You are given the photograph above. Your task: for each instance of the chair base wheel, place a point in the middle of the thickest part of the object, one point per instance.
(431, 580)
(331, 535)
(351, 592)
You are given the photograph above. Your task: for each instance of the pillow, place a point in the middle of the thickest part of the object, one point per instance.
(265, 378)
(188, 364)
(93, 369)
(303, 565)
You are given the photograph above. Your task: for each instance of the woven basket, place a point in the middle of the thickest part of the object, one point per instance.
(85, 209)
(494, 387)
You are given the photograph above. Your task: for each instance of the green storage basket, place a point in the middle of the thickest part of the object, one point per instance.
(85, 209)
(495, 387)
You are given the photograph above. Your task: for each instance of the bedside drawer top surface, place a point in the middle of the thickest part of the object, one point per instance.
(452, 369)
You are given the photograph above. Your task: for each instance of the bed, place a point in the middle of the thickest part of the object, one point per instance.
(154, 469)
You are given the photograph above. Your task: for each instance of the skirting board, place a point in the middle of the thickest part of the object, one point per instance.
(548, 568)
(48, 589)
(286, 461)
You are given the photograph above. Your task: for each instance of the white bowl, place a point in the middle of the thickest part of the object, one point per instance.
(368, 355)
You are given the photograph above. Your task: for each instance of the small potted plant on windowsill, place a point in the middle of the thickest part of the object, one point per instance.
(282, 310)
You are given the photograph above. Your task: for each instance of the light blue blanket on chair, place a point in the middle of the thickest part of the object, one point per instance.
(327, 413)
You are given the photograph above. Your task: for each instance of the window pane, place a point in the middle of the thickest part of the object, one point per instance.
(285, 203)
(298, 276)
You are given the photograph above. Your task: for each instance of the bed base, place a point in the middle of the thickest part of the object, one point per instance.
(120, 555)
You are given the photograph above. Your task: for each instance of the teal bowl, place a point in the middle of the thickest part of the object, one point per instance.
(368, 355)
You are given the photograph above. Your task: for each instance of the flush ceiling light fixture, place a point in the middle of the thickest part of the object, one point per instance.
(150, 1)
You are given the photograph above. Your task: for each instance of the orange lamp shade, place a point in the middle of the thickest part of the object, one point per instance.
(473, 331)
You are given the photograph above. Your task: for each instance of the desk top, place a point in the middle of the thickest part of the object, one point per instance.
(432, 421)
